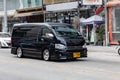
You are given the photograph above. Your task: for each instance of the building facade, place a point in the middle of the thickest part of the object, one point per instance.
(57, 1)
(31, 3)
(64, 10)
(25, 7)
(10, 13)
(10, 5)
(113, 11)
(30, 11)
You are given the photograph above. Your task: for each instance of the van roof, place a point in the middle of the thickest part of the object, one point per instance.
(47, 24)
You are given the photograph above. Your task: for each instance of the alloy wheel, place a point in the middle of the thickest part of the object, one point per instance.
(19, 52)
(46, 55)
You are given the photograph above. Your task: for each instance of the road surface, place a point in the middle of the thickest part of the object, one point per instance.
(98, 66)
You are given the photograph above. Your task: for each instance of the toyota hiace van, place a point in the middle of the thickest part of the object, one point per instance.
(49, 41)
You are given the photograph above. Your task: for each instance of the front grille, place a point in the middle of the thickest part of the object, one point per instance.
(74, 47)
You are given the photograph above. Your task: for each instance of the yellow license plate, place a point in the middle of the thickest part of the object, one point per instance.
(76, 54)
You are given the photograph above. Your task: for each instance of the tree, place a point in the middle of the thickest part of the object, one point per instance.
(100, 32)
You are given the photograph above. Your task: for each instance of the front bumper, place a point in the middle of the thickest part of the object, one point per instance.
(68, 54)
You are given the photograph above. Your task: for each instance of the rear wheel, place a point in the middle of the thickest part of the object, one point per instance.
(119, 51)
(46, 55)
(19, 52)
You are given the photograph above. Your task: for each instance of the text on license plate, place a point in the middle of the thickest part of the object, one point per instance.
(76, 54)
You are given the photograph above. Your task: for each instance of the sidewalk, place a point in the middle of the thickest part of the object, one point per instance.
(92, 48)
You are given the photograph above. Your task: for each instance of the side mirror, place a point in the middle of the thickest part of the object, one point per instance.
(49, 35)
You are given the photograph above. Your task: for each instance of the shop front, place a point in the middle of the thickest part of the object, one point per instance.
(65, 12)
(62, 16)
(113, 21)
(30, 15)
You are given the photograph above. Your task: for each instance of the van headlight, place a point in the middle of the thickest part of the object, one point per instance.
(60, 46)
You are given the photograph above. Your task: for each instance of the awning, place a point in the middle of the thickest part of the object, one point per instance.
(95, 19)
(9, 13)
(28, 13)
(62, 6)
(38, 8)
(113, 3)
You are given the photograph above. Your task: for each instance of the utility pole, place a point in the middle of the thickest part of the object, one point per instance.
(106, 24)
(43, 8)
(78, 18)
(5, 28)
(78, 8)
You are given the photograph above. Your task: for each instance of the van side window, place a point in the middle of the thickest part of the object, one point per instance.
(32, 32)
(18, 32)
(45, 31)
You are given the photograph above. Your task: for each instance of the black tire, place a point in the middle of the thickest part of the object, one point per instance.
(46, 55)
(119, 51)
(19, 52)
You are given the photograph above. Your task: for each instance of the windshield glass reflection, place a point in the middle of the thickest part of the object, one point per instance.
(66, 31)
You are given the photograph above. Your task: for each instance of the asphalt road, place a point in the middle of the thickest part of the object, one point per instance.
(98, 66)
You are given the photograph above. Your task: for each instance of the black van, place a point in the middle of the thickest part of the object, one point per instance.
(49, 41)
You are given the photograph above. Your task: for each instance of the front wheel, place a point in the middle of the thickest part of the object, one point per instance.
(19, 52)
(46, 55)
(119, 51)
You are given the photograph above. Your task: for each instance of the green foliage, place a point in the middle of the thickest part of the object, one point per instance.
(100, 32)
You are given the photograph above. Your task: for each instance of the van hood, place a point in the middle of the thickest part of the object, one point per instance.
(72, 41)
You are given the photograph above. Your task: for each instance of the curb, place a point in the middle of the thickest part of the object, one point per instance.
(101, 48)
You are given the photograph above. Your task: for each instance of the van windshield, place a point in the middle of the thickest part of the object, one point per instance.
(65, 31)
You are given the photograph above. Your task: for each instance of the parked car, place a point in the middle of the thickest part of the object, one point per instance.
(5, 39)
(48, 41)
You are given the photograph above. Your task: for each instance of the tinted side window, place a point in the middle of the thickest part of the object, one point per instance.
(18, 32)
(26, 31)
(33, 32)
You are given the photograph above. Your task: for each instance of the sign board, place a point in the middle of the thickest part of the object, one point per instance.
(99, 9)
(62, 6)
(92, 2)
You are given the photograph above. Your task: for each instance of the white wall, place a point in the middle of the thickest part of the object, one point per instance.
(11, 4)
